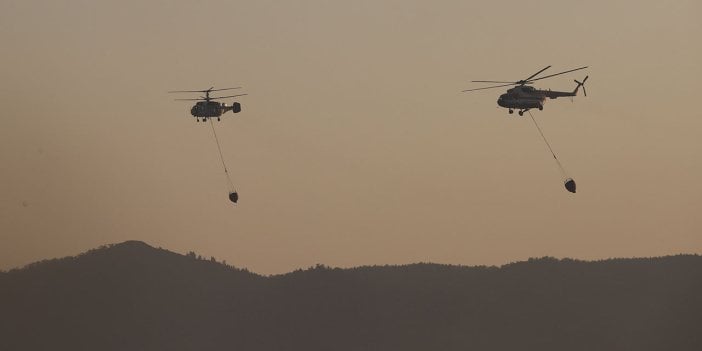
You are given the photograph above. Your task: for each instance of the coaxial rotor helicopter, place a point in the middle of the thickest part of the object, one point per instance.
(524, 97)
(206, 108)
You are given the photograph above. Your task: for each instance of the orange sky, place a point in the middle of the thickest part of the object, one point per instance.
(355, 145)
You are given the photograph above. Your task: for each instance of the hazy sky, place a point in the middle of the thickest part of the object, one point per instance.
(355, 145)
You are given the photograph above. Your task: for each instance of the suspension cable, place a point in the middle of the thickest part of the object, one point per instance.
(563, 172)
(221, 157)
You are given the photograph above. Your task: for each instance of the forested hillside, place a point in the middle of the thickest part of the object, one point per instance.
(131, 296)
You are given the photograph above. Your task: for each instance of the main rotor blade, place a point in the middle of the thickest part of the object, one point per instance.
(522, 82)
(483, 88)
(534, 75)
(224, 97)
(491, 81)
(555, 74)
(201, 91)
(189, 99)
(224, 89)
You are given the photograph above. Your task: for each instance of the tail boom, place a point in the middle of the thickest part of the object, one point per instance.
(556, 94)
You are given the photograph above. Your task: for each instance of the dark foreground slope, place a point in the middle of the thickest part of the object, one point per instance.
(131, 296)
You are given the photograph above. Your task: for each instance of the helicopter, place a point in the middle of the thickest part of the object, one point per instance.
(525, 97)
(206, 108)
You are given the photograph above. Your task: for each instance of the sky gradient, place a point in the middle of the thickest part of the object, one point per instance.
(355, 145)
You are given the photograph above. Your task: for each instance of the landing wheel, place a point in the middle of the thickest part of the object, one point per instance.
(511, 111)
(218, 119)
(197, 120)
(541, 108)
(521, 113)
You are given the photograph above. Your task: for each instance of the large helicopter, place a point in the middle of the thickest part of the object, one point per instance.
(525, 97)
(206, 108)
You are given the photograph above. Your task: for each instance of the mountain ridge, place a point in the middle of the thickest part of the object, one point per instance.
(133, 296)
(131, 247)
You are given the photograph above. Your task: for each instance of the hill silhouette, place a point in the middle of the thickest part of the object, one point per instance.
(131, 296)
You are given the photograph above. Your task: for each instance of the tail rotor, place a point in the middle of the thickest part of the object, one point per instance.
(582, 84)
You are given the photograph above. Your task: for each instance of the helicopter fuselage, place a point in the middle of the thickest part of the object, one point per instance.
(526, 97)
(207, 109)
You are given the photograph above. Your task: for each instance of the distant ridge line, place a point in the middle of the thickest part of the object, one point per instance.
(141, 246)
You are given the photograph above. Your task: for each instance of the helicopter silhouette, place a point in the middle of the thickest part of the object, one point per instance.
(206, 108)
(525, 97)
